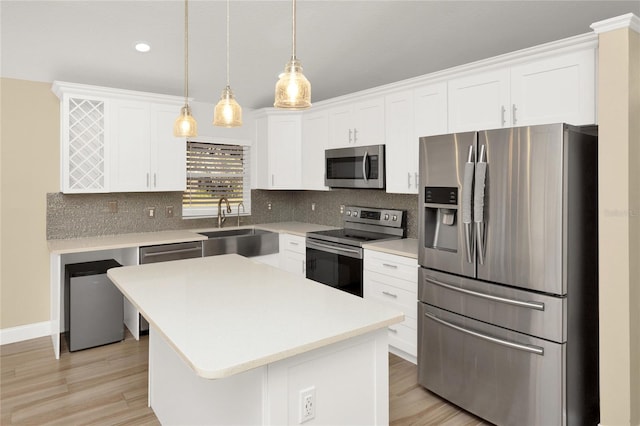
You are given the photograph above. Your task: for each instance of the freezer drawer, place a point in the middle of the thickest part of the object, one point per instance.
(531, 313)
(502, 376)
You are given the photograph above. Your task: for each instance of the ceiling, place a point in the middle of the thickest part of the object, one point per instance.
(344, 46)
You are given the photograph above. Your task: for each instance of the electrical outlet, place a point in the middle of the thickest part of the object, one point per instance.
(313, 207)
(341, 208)
(169, 211)
(268, 206)
(151, 212)
(307, 404)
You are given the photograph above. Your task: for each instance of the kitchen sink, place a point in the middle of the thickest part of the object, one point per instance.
(247, 242)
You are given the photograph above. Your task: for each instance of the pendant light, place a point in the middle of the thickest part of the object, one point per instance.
(185, 125)
(293, 90)
(227, 112)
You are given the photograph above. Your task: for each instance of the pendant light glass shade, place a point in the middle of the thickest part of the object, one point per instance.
(293, 90)
(227, 112)
(185, 125)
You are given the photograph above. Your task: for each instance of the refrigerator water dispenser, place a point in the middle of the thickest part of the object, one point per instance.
(441, 218)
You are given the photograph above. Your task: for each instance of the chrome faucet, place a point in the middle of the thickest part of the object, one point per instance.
(240, 204)
(221, 215)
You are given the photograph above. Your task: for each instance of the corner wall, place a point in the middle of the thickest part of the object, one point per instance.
(29, 165)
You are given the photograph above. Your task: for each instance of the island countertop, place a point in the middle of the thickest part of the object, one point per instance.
(227, 314)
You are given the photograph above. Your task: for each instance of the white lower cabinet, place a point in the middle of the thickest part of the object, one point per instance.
(293, 254)
(392, 280)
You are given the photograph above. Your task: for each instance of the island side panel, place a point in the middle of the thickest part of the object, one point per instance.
(178, 396)
(350, 381)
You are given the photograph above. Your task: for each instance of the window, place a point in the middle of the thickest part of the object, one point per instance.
(216, 170)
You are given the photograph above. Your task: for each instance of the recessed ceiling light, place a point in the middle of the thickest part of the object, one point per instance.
(142, 46)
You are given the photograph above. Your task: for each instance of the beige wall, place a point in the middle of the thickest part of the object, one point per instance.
(619, 179)
(29, 168)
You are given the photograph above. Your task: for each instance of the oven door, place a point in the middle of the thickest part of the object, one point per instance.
(335, 265)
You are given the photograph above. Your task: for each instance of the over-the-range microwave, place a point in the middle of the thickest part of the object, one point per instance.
(355, 167)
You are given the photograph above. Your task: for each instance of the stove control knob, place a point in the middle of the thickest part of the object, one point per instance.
(348, 212)
(395, 217)
(355, 213)
(386, 216)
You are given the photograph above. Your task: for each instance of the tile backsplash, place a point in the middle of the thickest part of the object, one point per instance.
(88, 215)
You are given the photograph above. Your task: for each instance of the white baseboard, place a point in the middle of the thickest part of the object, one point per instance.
(25, 332)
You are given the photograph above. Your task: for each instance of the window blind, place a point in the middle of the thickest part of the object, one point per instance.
(213, 171)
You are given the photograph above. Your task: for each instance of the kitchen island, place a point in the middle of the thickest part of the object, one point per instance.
(233, 341)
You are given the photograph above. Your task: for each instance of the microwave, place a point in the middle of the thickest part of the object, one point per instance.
(355, 167)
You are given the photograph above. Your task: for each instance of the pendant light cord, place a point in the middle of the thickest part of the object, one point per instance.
(186, 51)
(228, 1)
(293, 31)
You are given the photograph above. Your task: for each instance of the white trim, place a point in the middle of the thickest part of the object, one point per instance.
(76, 89)
(25, 332)
(623, 21)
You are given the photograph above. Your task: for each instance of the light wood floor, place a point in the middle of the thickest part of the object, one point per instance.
(108, 386)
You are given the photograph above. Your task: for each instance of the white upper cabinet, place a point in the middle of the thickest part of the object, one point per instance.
(409, 115)
(315, 139)
(557, 89)
(119, 141)
(358, 123)
(279, 156)
(479, 101)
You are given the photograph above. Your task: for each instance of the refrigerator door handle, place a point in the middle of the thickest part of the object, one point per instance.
(467, 192)
(478, 202)
(520, 303)
(527, 348)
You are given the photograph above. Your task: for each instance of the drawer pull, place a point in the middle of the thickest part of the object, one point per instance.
(527, 348)
(293, 243)
(393, 330)
(386, 293)
(388, 265)
(520, 303)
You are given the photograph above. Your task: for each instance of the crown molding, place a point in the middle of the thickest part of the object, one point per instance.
(623, 21)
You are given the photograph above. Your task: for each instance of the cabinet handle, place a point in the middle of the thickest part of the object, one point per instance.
(386, 293)
(502, 112)
(393, 330)
(416, 174)
(408, 180)
(388, 265)
(293, 243)
(355, 135)
(349, 135)
(155, 180)
(272, 180)
(513, 113)
(304, 268)
(147, 180)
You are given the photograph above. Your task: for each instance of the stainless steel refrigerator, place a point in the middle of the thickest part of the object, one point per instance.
(508, 279)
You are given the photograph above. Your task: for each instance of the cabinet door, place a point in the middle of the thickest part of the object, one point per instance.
(368, 122)
(479, 102)
(84, 149)
(168, 153)
(130, 147)
(340, 126)
(284, 151)
(400, 166)
(558, 89)
(315, 139)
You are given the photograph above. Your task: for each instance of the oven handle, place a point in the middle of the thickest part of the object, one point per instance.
(520, 303)
(333, 249)
(527, 348)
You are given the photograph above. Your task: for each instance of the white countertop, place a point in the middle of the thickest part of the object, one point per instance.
(107, 242)
(407, 247)
(228, 314)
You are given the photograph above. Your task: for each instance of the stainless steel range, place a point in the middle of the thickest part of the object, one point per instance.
(334, 257)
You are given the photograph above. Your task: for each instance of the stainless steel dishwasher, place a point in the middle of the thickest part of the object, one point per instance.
(165, 253)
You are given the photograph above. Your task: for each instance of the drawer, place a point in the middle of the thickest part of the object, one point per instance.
(391, 292)
(404, 337)
(292, 243)
(388, 264)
